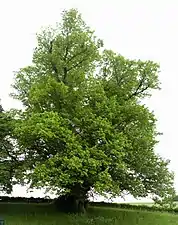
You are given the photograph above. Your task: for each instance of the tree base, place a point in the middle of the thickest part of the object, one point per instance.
(71, 204)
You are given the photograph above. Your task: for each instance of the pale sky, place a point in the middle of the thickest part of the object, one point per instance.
(138, 29)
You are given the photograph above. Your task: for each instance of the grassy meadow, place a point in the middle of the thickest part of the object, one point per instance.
(45, 214)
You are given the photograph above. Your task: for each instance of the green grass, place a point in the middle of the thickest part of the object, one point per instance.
(34, 214)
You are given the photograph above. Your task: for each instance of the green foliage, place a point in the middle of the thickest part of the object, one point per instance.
(84, 126)
(7, 159)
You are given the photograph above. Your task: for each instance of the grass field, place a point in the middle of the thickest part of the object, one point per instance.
(34, 214)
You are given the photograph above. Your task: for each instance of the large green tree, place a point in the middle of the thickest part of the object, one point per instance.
(84, 127)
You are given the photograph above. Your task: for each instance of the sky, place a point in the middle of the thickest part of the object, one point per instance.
(139, 29)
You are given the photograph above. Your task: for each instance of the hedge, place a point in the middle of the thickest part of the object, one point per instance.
(134, 207)
(24, 200)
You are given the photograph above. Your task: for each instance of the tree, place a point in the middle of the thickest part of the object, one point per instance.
(7, 157)
(84, 127)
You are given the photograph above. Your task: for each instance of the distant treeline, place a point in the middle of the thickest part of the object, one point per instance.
(25, 200)
(176, 198)
(135, 207)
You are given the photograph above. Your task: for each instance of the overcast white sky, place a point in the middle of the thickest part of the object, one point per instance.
(142, 29)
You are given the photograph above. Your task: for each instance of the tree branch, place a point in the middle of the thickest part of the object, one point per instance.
(53, 65)
(139, 91)
(79, 53)
(77, 64)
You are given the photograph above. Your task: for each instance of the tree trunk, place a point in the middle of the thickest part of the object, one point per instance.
(76, 201)
(71, 204)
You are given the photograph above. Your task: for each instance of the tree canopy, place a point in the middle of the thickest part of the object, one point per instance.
(7, 156)
(84, 126)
